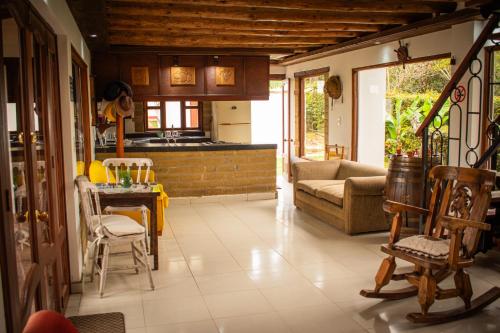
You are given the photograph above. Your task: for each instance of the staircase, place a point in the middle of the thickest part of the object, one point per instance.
(474, 139)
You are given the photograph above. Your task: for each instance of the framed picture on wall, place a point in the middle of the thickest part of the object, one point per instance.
(182, 76)
(224, 76)
(139, 75)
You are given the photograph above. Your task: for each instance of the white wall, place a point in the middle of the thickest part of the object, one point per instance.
(267, 118)
(58, 15)
(340, 116)
(371, 142)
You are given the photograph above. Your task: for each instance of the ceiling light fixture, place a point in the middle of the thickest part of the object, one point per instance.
(93, 35)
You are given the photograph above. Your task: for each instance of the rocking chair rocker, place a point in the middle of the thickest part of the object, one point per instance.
(455, 219)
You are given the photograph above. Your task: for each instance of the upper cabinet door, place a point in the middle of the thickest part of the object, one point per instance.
(225, 76)
(257, 77)
(141, 72)
(105, 68)
(182, 75)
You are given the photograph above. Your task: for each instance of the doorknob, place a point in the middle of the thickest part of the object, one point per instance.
(42, 216)
(20, 137)
(285, 140)
(33, 137)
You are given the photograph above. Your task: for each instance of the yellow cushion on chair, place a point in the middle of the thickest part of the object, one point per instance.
(97, 173)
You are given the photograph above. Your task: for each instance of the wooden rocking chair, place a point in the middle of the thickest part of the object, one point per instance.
(458, 206)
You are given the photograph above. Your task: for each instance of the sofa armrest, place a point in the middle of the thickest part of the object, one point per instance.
(314, 170)
(364, 186)
(363, 201)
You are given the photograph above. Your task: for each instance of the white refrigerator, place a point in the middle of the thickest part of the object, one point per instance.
(232, 121)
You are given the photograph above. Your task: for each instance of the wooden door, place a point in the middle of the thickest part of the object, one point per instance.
(287, 134)
(34, 250)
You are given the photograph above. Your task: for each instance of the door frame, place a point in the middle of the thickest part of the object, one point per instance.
(355, 88)
(300, 106)
(85, 105)
(18, 300)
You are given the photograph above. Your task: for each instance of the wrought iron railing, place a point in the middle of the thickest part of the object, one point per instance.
(442, 141)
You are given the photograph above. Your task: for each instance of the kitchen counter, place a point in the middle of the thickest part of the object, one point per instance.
(203, 169)
(180, 146)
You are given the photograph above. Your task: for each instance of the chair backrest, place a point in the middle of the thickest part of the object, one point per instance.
(117, 163)
(334, 152)
(463, 193)
(89, 199)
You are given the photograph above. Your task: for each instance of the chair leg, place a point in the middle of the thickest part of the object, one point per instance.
(426, 290)
(385, 272)
(104, 268)
(462, 283)
(146, 262)
(134, 256)
(95, 257)
(144, 217)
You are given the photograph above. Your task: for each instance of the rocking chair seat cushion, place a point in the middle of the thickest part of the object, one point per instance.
(120, 225)
(426, 246)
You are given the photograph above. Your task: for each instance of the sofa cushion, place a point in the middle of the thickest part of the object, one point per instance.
(333, 194)
(312, 186)
(354, 169)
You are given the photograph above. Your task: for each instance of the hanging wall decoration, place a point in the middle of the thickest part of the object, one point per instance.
(402, 53)
(224, 76)
(182, 76)
(140, 75)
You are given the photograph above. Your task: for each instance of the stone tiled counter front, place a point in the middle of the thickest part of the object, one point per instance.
(208, 170)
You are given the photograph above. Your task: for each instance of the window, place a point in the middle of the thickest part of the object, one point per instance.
(181, 115)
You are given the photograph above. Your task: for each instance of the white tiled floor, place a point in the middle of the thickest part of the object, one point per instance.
(263, 266)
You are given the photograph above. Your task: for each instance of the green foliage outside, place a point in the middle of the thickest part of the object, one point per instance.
(411, 93)
(315, 117)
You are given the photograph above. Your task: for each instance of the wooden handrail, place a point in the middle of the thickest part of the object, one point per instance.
(459, 73)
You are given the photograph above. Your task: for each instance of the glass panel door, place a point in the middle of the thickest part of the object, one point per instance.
(12, 68)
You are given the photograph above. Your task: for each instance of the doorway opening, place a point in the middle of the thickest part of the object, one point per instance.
(314, 117)
(267, 120)
(392, 100)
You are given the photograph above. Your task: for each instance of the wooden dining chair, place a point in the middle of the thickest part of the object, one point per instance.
(454, 222)
(142, 164)
(104, 231)
(334, 152)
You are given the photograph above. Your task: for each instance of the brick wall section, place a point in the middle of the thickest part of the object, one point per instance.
(202, 173)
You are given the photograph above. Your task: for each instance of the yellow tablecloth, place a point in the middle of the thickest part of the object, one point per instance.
(97, 174)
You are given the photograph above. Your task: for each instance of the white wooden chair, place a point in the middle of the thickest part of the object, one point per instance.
(108, 230)
(130, 162)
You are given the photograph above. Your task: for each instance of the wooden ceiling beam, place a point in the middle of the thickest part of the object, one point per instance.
(162, 50)
(257, 14)
(131, 41)
(230, 32)
(415, 29)
(149, 21)
(121, 37)
(387, 6)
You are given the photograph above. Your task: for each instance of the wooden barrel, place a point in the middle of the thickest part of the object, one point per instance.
(404, 184)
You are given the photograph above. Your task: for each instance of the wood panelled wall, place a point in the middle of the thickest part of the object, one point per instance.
(251, 75)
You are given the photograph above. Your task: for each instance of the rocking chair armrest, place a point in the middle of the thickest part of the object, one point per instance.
(454, 223)
(397, 207)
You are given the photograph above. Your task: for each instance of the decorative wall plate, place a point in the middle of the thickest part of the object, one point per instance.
(182, 76)
(224, 76)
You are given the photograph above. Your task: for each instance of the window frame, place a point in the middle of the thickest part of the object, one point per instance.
(163, 114)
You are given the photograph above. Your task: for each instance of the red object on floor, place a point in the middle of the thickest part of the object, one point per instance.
(46, 321)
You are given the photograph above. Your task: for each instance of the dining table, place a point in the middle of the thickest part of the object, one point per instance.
(136, 195)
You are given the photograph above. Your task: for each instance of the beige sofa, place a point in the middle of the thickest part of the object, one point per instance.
(343, 193)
